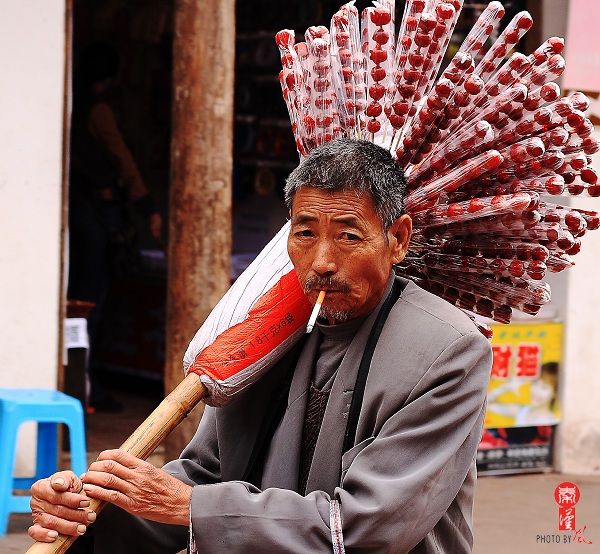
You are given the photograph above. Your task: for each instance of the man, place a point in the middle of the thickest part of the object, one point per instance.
(374, 445)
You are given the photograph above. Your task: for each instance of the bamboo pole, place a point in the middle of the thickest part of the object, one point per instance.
(144, 440)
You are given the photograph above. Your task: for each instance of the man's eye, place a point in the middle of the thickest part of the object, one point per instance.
(350, 236)
(304, 233)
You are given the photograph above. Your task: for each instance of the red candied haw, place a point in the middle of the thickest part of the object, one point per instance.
(378, 74)
(575, 249)
(461, 99)
(308, 121)
(480, 264)
(434, 102)
(525, 21)
(516, 268)
(376, 91)
(525, 127)
(452, 112)
(512, 36)
(397, 121)
(555, 185)
(435, 135)
(285, 38)
(324, 120)
(536, 270)
(374, 109)
(302, 50)
(557, 44)
(485, 307)
(347, 73)
(476, 204)
(456, 209)
(290, 80)
(493, 89)
(550, 92)
(505, 77)
(504, 176)
(427, 22)
(467, 300)
(422, 40)
(565, 242)
(323, 102)
(426, 147)
(535, 165)
(497, 266)
(400, 108)
(287, 61)
(445, 11)
(412, 76)
(474, 84)
(406, 42)
(381, 37)
(349, 88)
(378, 55)
(380, 16)
(342, 38)
(416, 60)
(594, 191)
(589, 175)
(590, 145)
(321, 67)
(574, 221)
(345, 55)
(321, 84)
(373, 126)
(575, 189)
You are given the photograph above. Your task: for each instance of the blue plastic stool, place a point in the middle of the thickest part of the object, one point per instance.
(48, 408)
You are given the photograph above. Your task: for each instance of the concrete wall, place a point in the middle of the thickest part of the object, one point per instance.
(32, 54)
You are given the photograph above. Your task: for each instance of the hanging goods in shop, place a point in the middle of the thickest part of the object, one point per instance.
(483, 144)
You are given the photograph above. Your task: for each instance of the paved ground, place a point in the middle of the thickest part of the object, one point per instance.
(513, 514)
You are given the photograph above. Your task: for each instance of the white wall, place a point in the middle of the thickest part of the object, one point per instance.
(579, 444)
(32, 54)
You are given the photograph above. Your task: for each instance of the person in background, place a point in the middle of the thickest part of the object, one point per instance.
(103, 182)
(362, 437)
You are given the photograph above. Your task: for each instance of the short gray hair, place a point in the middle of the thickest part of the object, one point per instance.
(343, 165)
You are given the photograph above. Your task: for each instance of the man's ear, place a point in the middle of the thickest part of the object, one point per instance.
(399, 235)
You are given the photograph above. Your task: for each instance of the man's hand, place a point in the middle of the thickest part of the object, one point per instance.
(138, 487)
(58, 507)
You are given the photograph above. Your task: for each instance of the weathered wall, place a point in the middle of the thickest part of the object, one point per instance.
(32, 55)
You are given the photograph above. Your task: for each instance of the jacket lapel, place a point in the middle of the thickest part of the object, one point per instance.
(283, 461)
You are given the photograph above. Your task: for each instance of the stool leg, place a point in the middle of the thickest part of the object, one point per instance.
(7, 464)
(47, 450)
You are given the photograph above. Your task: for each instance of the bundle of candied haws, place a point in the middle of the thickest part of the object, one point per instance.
(479, 142)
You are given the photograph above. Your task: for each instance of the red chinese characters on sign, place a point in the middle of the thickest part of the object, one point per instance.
(501, 363)
(566, 496)
(529, 360)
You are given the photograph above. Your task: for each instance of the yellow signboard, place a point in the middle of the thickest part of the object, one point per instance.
(523, 387)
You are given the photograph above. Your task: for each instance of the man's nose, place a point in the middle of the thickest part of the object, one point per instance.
(325, 259)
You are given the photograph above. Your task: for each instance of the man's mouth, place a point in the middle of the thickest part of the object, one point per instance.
(330, 284)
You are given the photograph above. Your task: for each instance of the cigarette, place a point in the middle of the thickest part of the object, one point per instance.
(315, 312)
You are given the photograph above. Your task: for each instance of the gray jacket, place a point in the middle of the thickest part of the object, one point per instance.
(406, 486)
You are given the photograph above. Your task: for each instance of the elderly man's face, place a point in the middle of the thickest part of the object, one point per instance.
(337, 243)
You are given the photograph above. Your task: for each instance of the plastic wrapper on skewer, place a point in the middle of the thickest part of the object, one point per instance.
(456, 73)
(461, 212)
(487, 295)
(511, 35)
(428, 194)
(498, 267)
(318, 65)
(377, 40)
